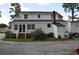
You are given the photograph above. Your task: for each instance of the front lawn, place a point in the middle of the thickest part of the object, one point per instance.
(17, 40)
(31, 40)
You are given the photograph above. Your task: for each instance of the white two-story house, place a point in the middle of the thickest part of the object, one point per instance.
(29, 21)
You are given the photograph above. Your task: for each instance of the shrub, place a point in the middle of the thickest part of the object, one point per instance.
(3, 25)
(51, 35)
(28, 35)
(8, 34)
(13, 35)
(59, 37)
(71, 35)
(46, 35)
(38, 35)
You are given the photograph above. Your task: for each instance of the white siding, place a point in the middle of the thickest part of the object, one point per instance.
(42, 25)
(34, 16)
(12, 29)
(39, 24)
(66, 25)
(55, 31)
(75, 27)
(61, 31)
(58, 31)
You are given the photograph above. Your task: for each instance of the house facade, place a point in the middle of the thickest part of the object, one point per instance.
(74, 26)
(29, 21)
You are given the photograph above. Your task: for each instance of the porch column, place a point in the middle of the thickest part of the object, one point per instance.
(25, 30)
(17, 34)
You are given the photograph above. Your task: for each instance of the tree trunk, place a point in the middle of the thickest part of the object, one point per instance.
(72, 12)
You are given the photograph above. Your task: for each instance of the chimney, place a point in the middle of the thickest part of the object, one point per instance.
(54, 17)
(17, 11)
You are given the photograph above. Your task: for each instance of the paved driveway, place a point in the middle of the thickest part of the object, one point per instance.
(38, 48)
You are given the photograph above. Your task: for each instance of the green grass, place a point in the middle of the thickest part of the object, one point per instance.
(17, 40)
(31, 40)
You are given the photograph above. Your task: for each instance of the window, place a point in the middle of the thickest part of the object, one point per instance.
(33, 26)
(48, 25)
(15, 27)
(30, 26)
(38, 16)
(25, 16)
(20, 28)
(23, 28)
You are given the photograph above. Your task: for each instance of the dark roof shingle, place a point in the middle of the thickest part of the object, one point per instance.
(59, 24)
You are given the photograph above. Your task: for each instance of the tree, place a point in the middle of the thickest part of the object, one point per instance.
(16, 9)
(71, 7)
(3, 25)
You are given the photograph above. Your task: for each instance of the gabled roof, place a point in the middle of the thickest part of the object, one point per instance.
(40, 12)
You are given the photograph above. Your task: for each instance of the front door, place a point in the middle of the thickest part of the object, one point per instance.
(22, 28)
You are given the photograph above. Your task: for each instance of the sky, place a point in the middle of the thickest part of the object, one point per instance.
(31, 7)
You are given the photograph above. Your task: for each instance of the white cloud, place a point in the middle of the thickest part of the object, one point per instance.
(42, 2)
(24, 8)
(4, 19)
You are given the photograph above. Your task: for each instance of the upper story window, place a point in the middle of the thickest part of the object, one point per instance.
(48, 25)
(15, 27)
(25, 16)
(38, 16)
